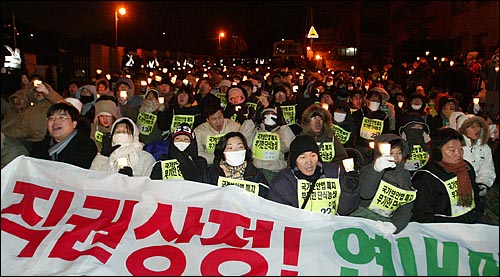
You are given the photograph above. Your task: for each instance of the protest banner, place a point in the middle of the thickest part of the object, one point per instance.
(59, 219)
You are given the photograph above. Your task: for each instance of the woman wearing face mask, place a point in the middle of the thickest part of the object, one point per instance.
(416, 108)
(182, 160)
(370, 122)
(87, 95)
(122, 151)
(233, 166)
(343, 124)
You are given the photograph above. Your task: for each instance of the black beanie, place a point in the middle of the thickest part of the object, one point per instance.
(299, 145)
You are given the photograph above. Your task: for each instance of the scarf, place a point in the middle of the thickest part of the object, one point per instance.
(464, 183)
(233, 172)
(149, 106)
(56, 148)
(313, 178)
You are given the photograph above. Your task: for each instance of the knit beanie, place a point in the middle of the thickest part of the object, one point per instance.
(106, 107)
(301, 144)
(183, 129)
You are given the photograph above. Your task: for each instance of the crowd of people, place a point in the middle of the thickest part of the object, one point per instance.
(387, 145)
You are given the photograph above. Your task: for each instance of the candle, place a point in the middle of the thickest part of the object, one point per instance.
(371, 144)
(400, 104)
(144, 83)
(324, 106)
(348, 164)
(475, 100)
(37, 82)
(384, 148)
(161, 99)
(185, 82)
(123, 93)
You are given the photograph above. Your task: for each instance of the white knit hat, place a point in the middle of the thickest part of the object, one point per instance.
(75, 102)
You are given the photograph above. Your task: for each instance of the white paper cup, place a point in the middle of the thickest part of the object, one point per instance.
(348, 164)
(384, 148)
(161, 99)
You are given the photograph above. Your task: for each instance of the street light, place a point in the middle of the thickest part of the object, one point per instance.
(221, 35)
(122, 11)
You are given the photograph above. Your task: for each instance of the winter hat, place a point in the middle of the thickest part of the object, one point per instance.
(75, 102)
(269, 108)
(343, 106)
(460, 120)
(301, 144)
(126, 81)
(183, 129)
(384, 95)
(106, 107)
(442, 101)
(153, 91)
(224, 83)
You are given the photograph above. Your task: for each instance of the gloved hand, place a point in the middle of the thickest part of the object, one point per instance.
(126, 170)
(106, 148)
(384, 162)
(42, 88)
(483, 189)
(385, 227)
(257, 117)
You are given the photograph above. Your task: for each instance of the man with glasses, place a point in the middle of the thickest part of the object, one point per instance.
(64, 142)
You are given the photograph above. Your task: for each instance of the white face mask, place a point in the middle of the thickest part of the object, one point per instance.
(416, 107)
(339, 117)
(373, 106)
(181, 145)
(235, 158)
(270, 119)
(122, 139)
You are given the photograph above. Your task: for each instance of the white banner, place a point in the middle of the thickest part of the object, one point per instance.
(58, 219)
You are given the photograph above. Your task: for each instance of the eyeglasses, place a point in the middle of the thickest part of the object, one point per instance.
(54, 118)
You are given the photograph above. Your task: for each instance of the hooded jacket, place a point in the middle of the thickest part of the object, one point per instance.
(139, 160)
(369, 182)
(106, 106)
(478, 153)
(327, 133)
(13, 116)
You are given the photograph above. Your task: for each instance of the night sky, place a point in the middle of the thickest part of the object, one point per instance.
(191, 26)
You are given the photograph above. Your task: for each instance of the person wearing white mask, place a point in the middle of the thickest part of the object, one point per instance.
(370, 122)
(182, 160)
(122, 151)
(269, 137)
(233, 166)
(343, 124)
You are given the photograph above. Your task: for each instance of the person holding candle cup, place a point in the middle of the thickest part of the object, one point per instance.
(385, 186)
(307, 176)
(123, 142)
